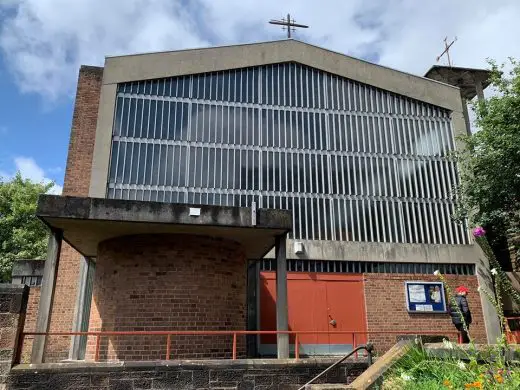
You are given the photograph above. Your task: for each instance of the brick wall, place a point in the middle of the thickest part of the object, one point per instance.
(386, 308)
(30, 322)
(76, 183)
(168, 282)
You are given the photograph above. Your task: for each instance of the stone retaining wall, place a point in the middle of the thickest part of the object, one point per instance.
(207, 374)
(13, 305)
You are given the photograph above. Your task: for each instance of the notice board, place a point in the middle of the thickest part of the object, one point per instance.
(425, 297)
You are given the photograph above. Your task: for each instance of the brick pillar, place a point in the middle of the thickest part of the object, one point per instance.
(13, 305)
(76, 183)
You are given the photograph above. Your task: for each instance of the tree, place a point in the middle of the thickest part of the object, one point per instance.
(489, 190)
(22, 235)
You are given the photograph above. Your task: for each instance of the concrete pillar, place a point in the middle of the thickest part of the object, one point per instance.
(282, 313)
(253, 269)
(82, 308)
(50, 273)
(466, 115)
(491, 322)
(480, 91)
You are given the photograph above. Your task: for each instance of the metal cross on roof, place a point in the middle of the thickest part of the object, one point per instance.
(288, 24)
(447, 50)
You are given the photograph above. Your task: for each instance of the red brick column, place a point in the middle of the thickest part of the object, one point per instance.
(386, 308)
(76, 183)
(168, 282)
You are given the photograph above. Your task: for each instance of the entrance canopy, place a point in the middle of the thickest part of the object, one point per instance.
(85, 222)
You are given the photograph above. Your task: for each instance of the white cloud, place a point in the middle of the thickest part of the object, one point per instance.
(29, 169)
(54, 170)
(45, 41)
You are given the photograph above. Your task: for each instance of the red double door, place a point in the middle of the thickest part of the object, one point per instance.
(317, 302)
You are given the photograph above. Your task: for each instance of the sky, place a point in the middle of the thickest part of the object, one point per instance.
(43, 43)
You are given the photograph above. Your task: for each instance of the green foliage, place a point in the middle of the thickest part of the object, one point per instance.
(489, 191)
(22, 235)
(501, 278)
(419, 371)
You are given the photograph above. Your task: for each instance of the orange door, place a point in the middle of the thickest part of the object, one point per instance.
(317, 302)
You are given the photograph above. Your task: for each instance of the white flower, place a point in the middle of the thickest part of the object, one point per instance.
(406, 377)
(494, 271)
(436, 272)
(461, 365)
(447, 344)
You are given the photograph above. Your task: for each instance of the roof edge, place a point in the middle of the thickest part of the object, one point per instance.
(278, 41)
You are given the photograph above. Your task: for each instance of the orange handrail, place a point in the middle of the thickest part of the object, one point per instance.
(234, 333)
(230, 332)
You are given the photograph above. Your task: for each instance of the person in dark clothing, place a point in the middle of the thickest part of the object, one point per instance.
(462, 303)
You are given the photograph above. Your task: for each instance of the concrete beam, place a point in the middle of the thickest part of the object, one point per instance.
(50, 273)
(282, 312)
(381, 251)
(53, 207)
(103, 143)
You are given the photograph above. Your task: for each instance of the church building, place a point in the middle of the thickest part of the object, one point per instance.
(357, 154)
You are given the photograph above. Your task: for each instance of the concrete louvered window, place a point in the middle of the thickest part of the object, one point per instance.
(340, 266)
(353, 162)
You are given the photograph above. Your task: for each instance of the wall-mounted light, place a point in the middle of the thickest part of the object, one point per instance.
(298, 248)
(194, 212)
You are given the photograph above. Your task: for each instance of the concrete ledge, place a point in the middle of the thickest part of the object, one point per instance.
(13, 298)
(439, 350)
(74, 366)
(27, 267)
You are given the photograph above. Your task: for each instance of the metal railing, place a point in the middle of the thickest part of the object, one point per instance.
(369, 348)
(356, 336)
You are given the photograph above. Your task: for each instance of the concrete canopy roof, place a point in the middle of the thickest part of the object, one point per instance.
(463, 78)
(86, 222)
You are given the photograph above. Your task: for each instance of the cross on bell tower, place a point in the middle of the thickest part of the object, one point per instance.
(288, 24)
(447, 50)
